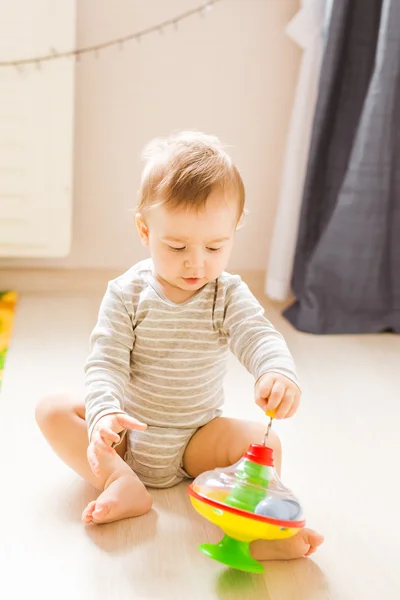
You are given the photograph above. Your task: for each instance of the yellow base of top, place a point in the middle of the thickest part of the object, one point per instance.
(238, 527)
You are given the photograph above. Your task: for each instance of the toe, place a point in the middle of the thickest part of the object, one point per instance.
(87, 513)
(101, 511)
(314, 539)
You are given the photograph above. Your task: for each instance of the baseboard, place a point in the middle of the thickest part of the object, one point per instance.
(39, 281)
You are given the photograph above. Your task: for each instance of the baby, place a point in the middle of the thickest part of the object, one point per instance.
(154, 376)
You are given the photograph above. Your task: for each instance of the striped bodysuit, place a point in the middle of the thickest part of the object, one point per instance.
(164, 363)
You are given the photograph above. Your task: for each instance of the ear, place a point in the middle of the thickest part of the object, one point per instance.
(242, 220)
(142, 229)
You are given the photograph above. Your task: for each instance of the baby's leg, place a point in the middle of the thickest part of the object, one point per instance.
(61, 419)
(221, 443)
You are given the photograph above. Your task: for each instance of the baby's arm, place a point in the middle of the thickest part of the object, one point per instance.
(108, 364)
(253, 339)
(262, 350)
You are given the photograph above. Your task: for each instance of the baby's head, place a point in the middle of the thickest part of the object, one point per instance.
(191, 200)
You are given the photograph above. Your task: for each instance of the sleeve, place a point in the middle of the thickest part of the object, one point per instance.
(253, 339)
(108, 365)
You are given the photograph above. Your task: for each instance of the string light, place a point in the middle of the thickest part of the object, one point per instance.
(206, 9)
(19, 64)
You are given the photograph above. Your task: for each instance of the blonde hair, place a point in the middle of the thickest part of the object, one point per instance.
(182, 170)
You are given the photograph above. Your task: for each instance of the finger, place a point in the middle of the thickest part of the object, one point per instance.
(93, 460)
(265, 386)
(285, 405)
(101, 447)
(295, 406)
(263, 404)
(96, 449)
(128, 422)
(109, 436)
(276, 395)
(263, 390)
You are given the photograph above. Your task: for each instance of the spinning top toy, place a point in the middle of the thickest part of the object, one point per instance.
(248, 502)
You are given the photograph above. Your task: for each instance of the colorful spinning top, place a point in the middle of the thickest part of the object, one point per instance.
(248, 502)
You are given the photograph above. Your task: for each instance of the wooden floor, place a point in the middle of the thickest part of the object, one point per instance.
(341, 458)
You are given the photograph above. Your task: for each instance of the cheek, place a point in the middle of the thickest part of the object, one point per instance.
(219, 260)
(164, 259)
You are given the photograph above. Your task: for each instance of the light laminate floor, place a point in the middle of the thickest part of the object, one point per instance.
(341, 457)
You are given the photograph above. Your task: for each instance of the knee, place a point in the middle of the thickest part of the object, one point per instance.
(147, 503)
(144, 503)
(274, 442)
(51, 411)
(253, 433)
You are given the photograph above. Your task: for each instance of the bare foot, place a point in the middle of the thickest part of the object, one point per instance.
(303, 544)
(124, 497)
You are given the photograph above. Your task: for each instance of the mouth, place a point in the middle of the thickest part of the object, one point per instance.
(191, 280)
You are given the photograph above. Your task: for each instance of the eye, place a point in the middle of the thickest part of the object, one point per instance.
(177, 249)
(214, 249)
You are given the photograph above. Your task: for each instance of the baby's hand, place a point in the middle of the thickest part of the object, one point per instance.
(275, 392)
(105, 433)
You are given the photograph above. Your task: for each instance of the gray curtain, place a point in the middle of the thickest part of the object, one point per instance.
(346, 275)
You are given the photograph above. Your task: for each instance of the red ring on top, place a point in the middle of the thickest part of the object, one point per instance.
(260, 454)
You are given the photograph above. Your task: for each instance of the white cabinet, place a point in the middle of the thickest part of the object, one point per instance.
(36, 129)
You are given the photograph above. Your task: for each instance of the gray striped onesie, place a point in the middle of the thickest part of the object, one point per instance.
(164, 363)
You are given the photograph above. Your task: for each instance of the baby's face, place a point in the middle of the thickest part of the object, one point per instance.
(190, 248)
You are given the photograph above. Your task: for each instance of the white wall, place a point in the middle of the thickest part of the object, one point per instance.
(232, 73)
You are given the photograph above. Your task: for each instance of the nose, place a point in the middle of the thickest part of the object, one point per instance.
(195, 259)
